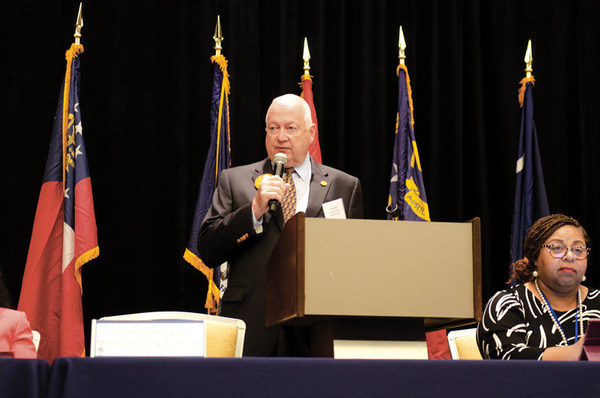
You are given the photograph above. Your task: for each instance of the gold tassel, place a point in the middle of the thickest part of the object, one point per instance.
(196, 262)
(523, 83)
(410, 101)
(214, 294)
(302, 79)
(84, 258)
(213, 297)
(222, 62)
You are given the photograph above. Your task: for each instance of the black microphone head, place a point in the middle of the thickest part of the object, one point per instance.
(280, 158)
(279, 161)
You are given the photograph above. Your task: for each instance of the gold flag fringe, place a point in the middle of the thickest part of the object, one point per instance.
(410, 101)
(71, 53)
(222, 62)
(301, 84)
(224, 97)
(213, 295)
(523, 83)
(84, 258)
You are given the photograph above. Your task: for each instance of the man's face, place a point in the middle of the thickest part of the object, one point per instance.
(288, 133)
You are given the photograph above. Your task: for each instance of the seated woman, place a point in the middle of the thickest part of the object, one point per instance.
(545, 316)
(16, 337)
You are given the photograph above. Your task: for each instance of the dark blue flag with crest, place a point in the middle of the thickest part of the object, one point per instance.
(217, 159)
(531, 201)
(407, 199)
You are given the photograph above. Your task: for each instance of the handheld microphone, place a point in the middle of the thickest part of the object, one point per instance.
(279, 162)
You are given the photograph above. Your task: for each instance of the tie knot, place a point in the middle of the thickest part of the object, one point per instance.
(288, 177)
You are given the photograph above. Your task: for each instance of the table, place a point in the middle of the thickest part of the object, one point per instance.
(294, 377)
(318, 377)
(23, 378)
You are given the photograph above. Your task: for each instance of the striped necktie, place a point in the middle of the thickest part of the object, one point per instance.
(288, 205)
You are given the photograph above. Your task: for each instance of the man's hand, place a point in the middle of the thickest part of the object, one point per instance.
(271, 187)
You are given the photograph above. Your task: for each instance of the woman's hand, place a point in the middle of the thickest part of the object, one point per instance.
(569, 353)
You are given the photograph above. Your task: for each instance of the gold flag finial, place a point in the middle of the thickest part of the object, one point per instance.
(528, 60)
(218, 36)
(306, 58)
(78, 26)
(401, 46)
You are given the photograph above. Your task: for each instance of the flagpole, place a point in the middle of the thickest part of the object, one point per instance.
(218, 159)
(78, 25)
(218, 37)
(401, 47)
(51, 291)
(306, 85)
(531, 201)
(213, 275)
(67, 84)
(528, 60)
(407, 188)
(306, 58)
(528, 72)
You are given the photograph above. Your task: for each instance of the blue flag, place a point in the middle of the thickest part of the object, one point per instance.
(217, 159)
(407, 199)
(531, 202)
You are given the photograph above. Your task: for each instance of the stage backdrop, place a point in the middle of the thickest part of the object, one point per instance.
(146, 83)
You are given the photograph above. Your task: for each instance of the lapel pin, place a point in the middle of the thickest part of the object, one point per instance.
(259, 179)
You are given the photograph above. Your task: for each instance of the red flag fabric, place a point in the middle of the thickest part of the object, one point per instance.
(64, 235)
(315, 149)
(437, 345)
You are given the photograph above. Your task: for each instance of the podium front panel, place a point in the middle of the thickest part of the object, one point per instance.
(388, 268)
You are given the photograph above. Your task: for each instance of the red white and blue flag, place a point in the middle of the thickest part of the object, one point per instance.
(64, 233)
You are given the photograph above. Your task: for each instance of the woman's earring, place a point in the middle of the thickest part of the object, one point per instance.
(583, 279)
(535, 274)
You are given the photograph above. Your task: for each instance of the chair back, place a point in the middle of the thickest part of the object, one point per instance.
(463, 344)
(36, 339)
(224, 336)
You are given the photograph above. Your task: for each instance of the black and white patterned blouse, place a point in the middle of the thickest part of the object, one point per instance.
(515, 324)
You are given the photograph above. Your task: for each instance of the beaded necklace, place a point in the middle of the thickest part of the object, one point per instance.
(578, 316)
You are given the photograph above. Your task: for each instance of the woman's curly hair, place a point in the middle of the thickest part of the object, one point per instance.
(539, 232)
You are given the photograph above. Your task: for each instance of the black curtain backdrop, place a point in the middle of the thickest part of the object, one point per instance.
(145, 93)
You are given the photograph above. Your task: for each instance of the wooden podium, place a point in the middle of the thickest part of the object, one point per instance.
(373, 279)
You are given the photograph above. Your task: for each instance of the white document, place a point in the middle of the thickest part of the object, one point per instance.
(158, 338)
(334, 209)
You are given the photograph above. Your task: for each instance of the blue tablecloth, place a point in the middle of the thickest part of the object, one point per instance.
(295, 377)
(23, 378)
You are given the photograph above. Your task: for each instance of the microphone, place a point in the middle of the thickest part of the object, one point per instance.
(279, 162)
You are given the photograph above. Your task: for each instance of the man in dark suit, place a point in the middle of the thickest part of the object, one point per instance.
(240, 229)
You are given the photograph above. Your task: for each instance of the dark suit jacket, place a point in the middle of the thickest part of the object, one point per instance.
(228, 234)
